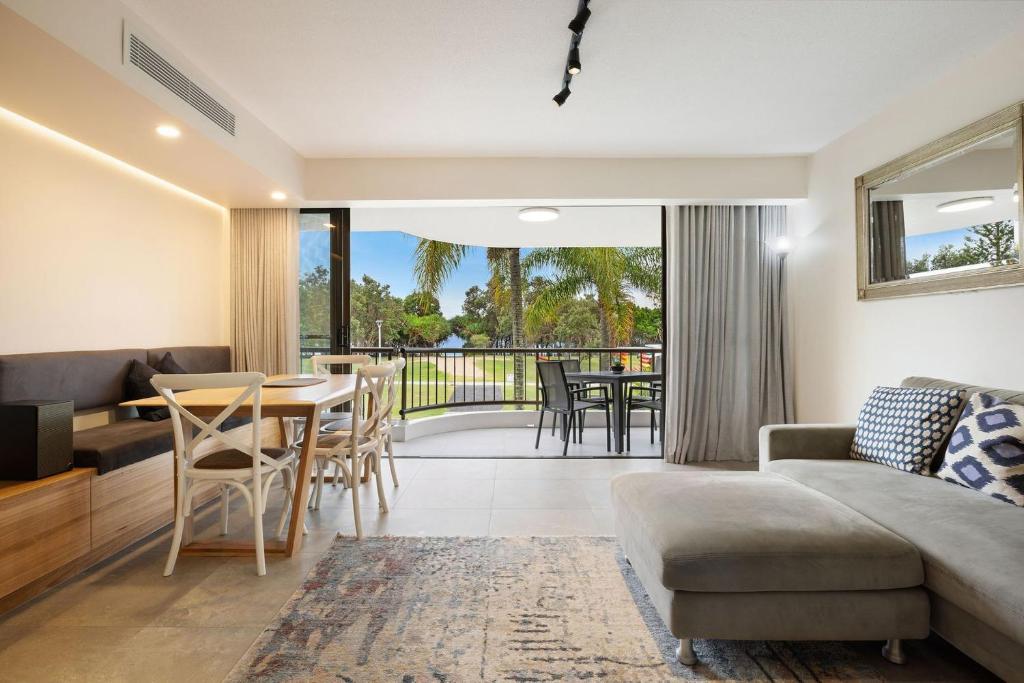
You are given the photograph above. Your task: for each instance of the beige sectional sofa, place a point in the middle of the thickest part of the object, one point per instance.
(970, 545)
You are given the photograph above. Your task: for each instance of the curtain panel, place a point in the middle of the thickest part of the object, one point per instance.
(264, 290)
(888, 241)
(727, 370)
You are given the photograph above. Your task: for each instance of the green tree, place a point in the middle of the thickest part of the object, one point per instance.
(426, 330)
(478, 341)
(919, 265)
(371, 301)
(422, 303)
(949, 256)
(315, 302)
(435, 263)
(994, 243)
(612, 274)
(646, 326)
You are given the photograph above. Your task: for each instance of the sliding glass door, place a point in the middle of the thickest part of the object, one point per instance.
(323, 283)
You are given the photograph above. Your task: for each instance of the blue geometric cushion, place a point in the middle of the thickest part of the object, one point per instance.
(905, 428)
(986, 452)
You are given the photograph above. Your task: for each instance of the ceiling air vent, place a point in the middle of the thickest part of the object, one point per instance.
(146, 59)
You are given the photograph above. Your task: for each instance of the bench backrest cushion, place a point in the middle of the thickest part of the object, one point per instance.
(89, 378)
(195, 359)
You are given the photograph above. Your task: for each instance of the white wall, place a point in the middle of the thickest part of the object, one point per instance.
(843, 347)
(95, 254)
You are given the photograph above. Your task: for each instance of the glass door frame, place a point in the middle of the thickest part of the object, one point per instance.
(340, 220)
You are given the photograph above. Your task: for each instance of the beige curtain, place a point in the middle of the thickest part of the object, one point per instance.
(727, 370)
(264, 290)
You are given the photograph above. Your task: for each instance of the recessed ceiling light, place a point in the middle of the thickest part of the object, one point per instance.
(965, 204)
(278, 196)
(538, 214)
(166, 130)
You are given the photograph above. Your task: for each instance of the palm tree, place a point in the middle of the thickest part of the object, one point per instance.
(435, 263)
(611, 273)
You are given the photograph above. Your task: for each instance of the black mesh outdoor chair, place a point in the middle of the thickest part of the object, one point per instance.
(646, 397)
(558, 398)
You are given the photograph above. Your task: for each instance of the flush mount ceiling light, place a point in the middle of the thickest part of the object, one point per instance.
(538, 214)
(166, 130)
(965, 204)
(573, 66)
(278, 196)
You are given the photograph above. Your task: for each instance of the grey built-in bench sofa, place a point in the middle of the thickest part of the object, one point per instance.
(121, 487)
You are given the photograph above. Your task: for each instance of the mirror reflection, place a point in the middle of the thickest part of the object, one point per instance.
(956, 214)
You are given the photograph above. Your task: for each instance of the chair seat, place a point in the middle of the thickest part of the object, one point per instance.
(339, 438)
(234, 459)
(652, 404)
(336, 422)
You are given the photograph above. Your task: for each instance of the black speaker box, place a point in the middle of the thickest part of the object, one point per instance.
(35, 439)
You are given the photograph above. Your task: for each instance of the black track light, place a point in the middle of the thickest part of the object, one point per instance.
(562, 96)
(579, 22)
(574, 66)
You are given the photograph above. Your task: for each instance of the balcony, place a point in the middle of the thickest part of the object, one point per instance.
(467, 402)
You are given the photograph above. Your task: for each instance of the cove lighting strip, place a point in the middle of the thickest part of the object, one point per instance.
(39, 129)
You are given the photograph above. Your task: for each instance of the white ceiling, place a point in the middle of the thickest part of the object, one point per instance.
(605, 226)
(340, 78)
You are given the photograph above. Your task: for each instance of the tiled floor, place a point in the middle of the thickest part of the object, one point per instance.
(518, 442)
(124, 621)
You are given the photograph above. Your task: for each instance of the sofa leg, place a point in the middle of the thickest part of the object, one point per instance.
(684, 653)
(893, 651)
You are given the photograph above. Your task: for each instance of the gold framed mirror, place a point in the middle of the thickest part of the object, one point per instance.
(946, 217)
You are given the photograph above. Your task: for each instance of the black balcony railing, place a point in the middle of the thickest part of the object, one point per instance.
(437, 380)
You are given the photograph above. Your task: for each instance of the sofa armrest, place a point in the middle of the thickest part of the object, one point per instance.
(805, 441)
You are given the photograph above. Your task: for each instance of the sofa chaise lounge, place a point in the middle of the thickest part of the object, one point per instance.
(820, 546)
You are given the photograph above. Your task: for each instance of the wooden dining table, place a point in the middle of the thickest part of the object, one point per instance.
(276, 402)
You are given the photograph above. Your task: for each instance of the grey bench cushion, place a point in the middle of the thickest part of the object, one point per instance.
(751, 531)
(123, 443)
(972, 545)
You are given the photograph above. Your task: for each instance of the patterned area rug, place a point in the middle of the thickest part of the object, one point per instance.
(413, 610)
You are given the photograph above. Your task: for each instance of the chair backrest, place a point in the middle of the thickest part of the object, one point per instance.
(248, 384)
(373, 385)
(391, 393)
(322, 364)
(657, 362)
(571, 364)
(554, 387)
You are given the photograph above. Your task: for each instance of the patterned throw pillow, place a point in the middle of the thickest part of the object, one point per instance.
(986, 451)
(905, 428)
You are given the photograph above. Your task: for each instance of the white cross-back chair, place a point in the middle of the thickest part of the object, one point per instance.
(348, 450)
(237, 462)
(389, 418)
(331, 421)
(389, 396)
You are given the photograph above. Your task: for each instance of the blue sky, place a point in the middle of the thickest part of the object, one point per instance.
(930, 242)
(388, 257)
